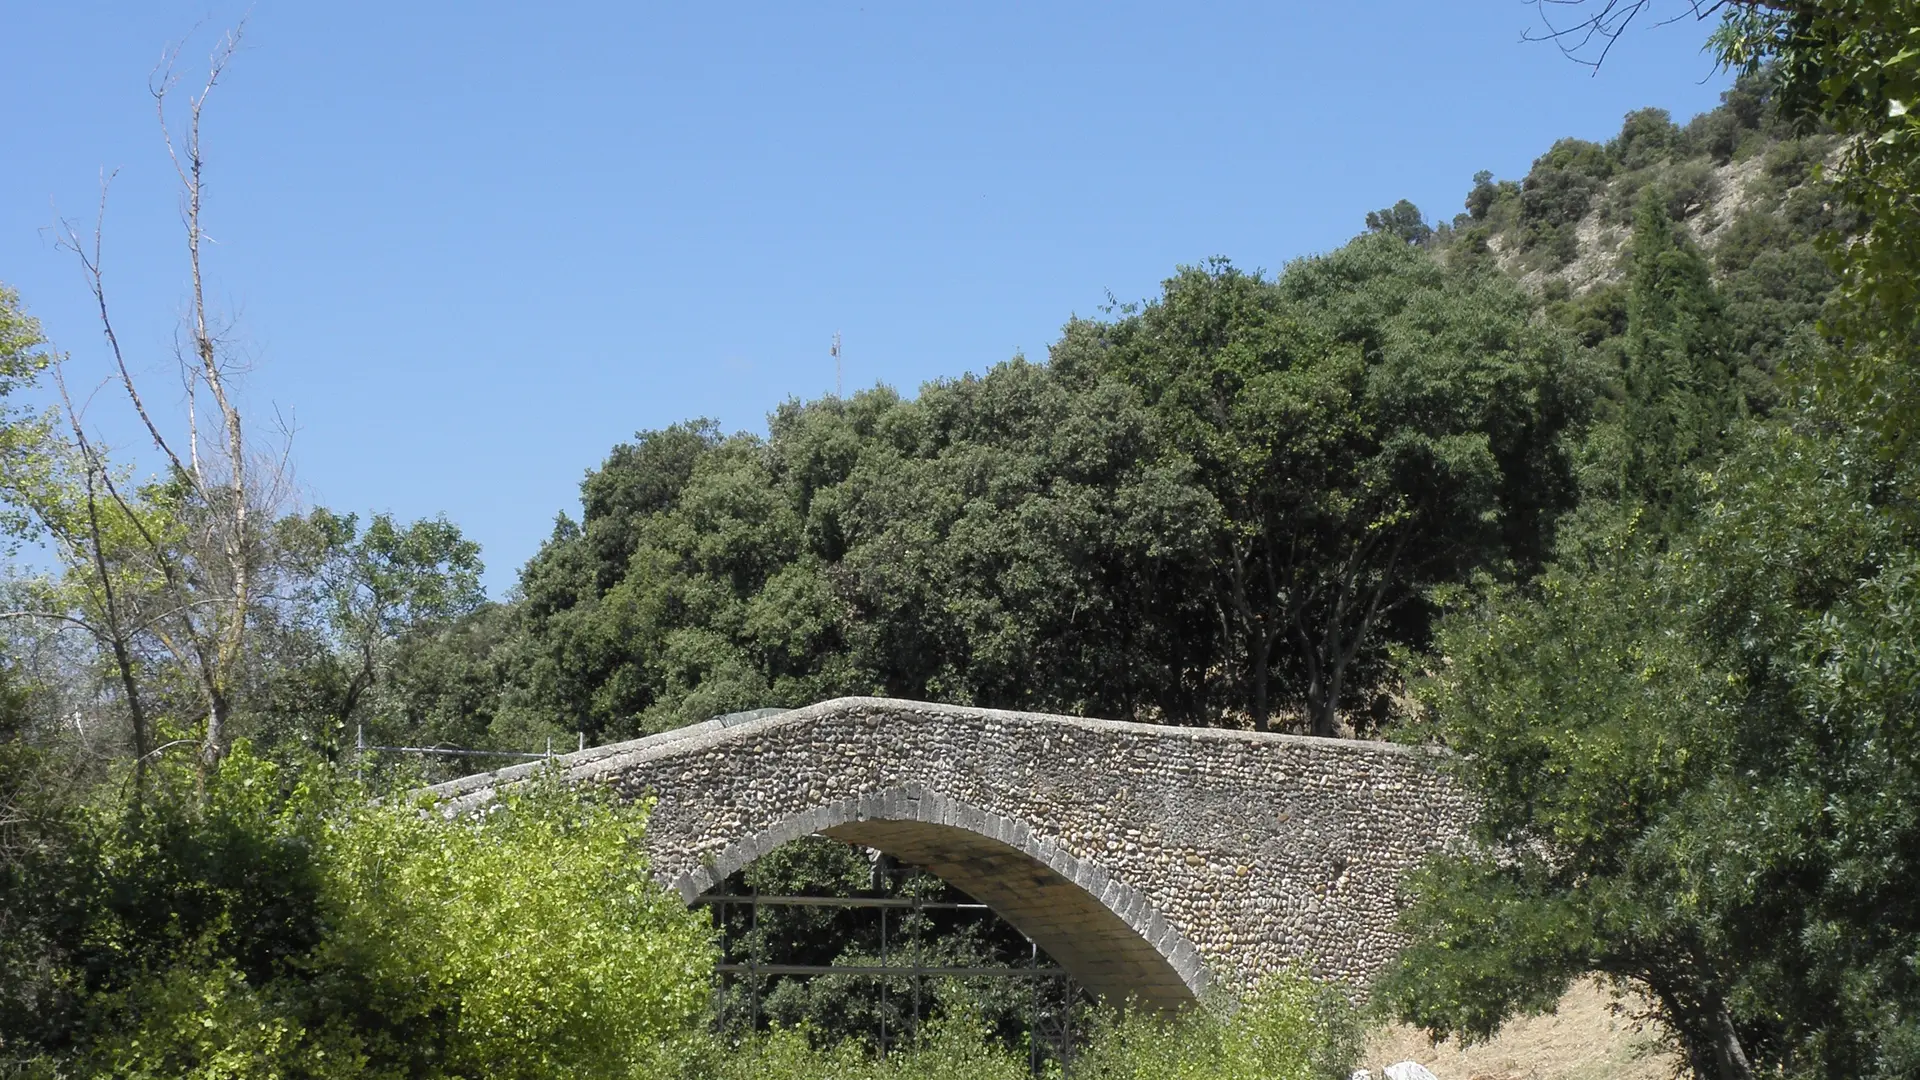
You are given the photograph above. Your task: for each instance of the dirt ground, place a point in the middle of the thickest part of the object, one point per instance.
(1584, 1040)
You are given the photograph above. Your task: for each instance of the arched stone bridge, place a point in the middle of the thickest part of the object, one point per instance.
(1145, 859)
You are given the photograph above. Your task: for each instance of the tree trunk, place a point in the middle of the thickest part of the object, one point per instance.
(1259, 656)
(1322, 719)
(136, 710)
(215, 745)
(1729, 1057)
(122, 656)
(1325, 718)
(1319, 703)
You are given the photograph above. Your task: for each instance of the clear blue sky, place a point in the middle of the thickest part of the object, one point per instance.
(472, 245)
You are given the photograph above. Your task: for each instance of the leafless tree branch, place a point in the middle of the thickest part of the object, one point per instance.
(1605, 21)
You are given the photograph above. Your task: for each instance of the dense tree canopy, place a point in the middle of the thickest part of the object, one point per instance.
(1696, 749)
(1230, 499)
(1370, 425)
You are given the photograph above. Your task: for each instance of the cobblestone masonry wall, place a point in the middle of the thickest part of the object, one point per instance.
(1146, 859)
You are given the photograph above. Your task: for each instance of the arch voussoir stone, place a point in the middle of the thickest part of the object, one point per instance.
(1149, 861)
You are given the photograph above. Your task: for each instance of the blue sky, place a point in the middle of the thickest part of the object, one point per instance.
(470, 246)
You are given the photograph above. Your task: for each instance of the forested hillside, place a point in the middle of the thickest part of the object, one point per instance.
(1241, 502)
(1606, 486)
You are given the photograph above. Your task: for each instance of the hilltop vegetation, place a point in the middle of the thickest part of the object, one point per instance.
(1224, 503)
(1237, 503)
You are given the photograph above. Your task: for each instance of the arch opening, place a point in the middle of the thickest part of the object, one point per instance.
(1105, 933)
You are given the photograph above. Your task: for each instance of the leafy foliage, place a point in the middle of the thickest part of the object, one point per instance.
(1694, 768)
(1679, 389)
(837, 1009)
(1243, 500)
(353, 597)
(1289, 1028)
(1005, 539)
(1369, 425)
(22, 359)
(530, 935)
(1857, 67)
(1402, 219)
(1103, 534)
(1698, 758)
(274, 925)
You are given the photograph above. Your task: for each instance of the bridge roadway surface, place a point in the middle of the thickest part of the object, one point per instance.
(1149, 861)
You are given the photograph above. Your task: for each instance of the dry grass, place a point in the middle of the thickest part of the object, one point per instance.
(1587, 1038)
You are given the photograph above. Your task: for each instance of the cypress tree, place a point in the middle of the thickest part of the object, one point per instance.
(1680, 390)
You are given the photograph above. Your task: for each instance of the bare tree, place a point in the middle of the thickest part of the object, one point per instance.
(1585, 30)
(182, 563)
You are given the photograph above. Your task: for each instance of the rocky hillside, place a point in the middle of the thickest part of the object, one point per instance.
(1744, 184)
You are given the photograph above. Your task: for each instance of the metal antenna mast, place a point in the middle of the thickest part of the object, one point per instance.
(836, 363)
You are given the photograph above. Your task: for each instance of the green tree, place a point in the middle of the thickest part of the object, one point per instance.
(1007, 539)
(1370, 425)
(22, 435)
(1583, 725)
(1696, 769)
(36, 825)
(1856, 67)
(1647, 137)
(356, 594)
(1403, 220)
(1680, 393)
(443, 687)
(1027, 541)
(1486, 194)
(1698, 764)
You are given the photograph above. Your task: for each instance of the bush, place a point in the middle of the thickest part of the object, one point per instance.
(1647, 137)
(1486, 195)
(201, 1020)
(1402, 219)
(1576, 156)
(956, 1047)
(1792, 162)
(1715, 134)
(1289, 1028)
(1556, 197)
(254, 924)
(1623, 195)
(534, 928)
(1689, 189)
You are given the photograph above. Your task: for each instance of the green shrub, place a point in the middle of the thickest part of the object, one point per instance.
(956, 1047)
(251, 925)
(201, 1020)
(1715, 134)
(533, 927)
(1647, 137)
(1486, 195)
(1689, 188)
(1552, 197)
(1792, 162)
(1577, 156)
(1288, 1028)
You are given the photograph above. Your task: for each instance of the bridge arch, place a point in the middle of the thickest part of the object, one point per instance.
(1105, 932)
(1147, 860)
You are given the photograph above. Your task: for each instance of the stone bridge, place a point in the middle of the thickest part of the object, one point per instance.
(1146, 860)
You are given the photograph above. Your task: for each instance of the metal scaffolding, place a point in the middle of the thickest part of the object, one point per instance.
(1057, 1034)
